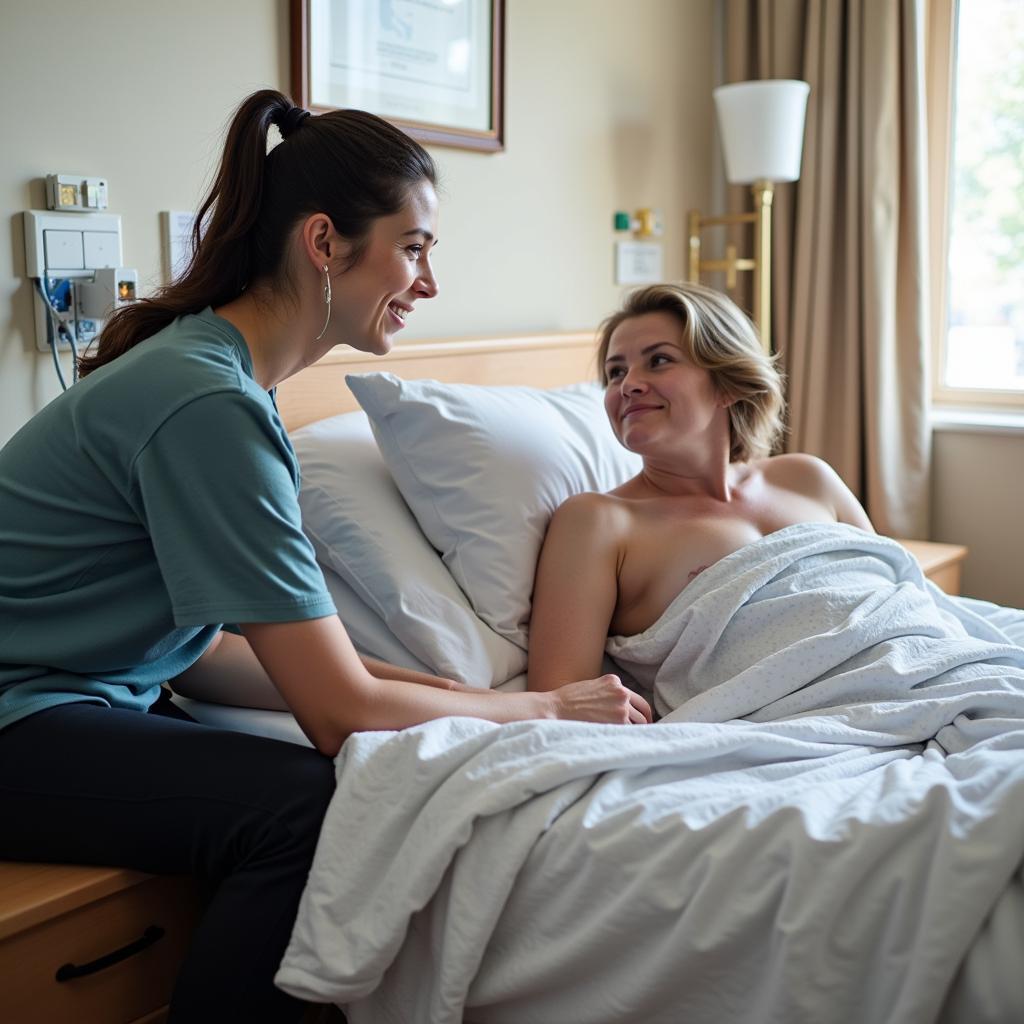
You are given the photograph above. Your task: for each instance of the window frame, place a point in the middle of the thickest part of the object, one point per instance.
(941, 69)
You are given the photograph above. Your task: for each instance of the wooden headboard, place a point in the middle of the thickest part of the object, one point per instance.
(536, 360)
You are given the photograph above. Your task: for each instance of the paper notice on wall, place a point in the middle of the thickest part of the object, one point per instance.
(176, 227)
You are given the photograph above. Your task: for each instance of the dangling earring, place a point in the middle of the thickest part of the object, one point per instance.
(327, 301)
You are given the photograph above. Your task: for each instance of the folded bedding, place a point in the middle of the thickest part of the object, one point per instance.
(822, 618)
(828, 813)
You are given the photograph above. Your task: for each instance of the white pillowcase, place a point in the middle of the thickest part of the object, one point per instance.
(362, 530)
(484, 468)
(365, 627)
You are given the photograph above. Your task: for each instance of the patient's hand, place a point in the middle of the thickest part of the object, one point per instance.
(604, 699)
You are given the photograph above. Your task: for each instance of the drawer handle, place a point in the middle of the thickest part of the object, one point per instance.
(152, 934)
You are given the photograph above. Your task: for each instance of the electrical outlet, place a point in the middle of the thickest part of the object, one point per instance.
(63, 300)
(69, 248)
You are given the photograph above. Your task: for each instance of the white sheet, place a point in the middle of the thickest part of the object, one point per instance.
(989, 986)
(832, 862)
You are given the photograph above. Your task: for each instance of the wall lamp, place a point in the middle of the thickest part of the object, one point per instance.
(762, 127)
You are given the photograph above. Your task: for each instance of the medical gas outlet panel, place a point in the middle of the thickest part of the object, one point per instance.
(76, 258)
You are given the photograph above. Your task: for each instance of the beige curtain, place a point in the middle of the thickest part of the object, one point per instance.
(851, 260)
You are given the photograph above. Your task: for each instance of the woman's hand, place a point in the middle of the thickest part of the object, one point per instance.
(604, 699)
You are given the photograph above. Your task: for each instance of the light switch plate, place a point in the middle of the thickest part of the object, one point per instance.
(102, 249)
(62, 250)
(39, 221)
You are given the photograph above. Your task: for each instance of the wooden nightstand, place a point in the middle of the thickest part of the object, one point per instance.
(941, 563)
(91, 945)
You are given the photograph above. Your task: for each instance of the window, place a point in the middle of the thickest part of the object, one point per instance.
(983, 357)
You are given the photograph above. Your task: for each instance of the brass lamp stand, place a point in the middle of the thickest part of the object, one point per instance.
(760, 263)
(762, 129)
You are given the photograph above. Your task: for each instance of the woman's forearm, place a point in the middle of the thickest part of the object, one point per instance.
(323, 681)
(230, 673)
(383, 670)
(397, 704)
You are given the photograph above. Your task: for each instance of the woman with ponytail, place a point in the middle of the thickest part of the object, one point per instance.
(156, 499)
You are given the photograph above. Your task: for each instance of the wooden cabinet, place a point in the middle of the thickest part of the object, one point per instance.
(81, 945)
(941, 563)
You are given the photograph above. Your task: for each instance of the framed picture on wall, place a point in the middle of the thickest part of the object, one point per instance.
(433, 67)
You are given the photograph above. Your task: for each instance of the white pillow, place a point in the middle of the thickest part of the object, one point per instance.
(365, 627)
(362, 530)
(483, 469)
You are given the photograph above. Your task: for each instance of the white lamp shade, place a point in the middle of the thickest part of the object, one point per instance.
(762, 125)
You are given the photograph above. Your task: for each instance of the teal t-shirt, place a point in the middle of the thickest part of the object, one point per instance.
(151, 502)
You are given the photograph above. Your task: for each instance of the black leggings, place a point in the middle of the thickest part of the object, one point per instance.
(86, 784)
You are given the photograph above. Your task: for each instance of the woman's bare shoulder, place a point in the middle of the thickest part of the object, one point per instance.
(795, 459)
(591, 505)
(814, 478)
(593, 512)
(798, 470)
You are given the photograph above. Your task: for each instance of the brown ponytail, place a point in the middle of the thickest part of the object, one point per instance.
(351, 165)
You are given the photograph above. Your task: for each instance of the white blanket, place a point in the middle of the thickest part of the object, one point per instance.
(830, 858)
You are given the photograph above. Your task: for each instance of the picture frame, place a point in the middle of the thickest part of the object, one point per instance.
(435, 68)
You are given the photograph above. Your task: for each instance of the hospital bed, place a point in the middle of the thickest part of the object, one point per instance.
(815, 857)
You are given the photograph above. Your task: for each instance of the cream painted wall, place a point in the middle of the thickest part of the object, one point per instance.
(607, 107)
(977, 498)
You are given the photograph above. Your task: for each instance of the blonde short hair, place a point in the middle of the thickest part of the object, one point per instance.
(718, 337)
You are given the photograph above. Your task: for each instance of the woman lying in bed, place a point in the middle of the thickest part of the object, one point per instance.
(689, 388)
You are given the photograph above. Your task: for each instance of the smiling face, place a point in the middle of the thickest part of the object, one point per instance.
(655, 397)
(371, 301)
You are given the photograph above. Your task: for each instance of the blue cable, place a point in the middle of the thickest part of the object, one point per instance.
(64, 331)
